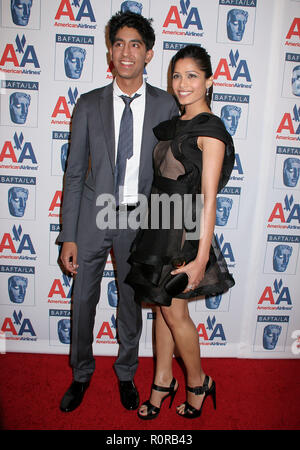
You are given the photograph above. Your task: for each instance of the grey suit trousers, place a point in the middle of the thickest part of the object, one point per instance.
(86, 297)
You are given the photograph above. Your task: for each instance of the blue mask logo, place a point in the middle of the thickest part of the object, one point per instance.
(296, 81)
(20, 11)
(64, 151)
(213, 302)
(112, 294)
(134, 7)
(281, 257)
(224, 205)
(74, 60)
(64, 331)
(236, 23)
(291, 171)
(17, 286)
(17, 198)
(19, 103)
(271, 334)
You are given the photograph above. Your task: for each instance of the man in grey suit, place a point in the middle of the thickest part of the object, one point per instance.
(91, 170)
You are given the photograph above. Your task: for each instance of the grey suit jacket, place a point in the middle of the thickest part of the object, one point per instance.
(91, 161)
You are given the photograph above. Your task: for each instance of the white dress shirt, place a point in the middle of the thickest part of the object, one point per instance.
(132, 167)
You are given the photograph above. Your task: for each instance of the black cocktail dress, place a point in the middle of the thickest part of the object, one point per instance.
(177, 170)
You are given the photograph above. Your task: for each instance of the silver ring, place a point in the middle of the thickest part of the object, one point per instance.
(190, 286)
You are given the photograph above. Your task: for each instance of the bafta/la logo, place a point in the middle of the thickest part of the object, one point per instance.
(19, 151)
(211, 331)
(64, 106)
(185, 18)
(26, 54)
(76, 10)
(61, 288)
(106, 331)
(290, 125)
(55, 204)
(272, 297)
(287, 213)
(233, 69)
(17, 243)
(17, 327)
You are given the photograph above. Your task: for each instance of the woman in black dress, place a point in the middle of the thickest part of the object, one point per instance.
(195, 154)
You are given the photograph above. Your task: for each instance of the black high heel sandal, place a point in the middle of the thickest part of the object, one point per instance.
(189, 411)
(153, 411)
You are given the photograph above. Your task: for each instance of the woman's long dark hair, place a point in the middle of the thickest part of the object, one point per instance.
(201, 58)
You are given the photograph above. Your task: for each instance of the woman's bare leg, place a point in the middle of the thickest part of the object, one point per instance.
(164, 358)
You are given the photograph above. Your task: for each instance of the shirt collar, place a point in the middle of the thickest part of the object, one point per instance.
(118, 91)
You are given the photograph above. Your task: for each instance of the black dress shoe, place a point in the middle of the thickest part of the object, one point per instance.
(73, 397)
(129, 395)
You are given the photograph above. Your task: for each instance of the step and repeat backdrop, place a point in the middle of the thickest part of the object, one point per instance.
(51, 52)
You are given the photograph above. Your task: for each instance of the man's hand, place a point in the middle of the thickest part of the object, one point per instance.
(68, 257)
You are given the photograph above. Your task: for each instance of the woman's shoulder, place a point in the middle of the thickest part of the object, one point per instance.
(207, 119)
(211, 125)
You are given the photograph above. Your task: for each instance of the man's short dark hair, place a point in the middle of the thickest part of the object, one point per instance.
(132, 20)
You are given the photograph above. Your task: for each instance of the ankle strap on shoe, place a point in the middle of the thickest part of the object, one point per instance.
(199, 390)
(164, 389)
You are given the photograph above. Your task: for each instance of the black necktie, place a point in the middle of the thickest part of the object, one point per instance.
(125, 145)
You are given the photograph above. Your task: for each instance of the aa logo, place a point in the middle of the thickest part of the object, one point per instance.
(20, 56)
(17, 243)
(212, 333)
(237, 171)
(275, 295)
(290, 124)
(55, 205)
(61, 288)
(18, 151)
(226, 249)
(64, 106)
(286, 213)
(293, 34)
(17, 326)
(232, 69)
(184, 18)
(75, 11)
(107, 331)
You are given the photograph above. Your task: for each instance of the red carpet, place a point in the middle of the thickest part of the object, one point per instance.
(251, 395)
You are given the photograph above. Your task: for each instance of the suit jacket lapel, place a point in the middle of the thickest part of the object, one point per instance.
(107, 116)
